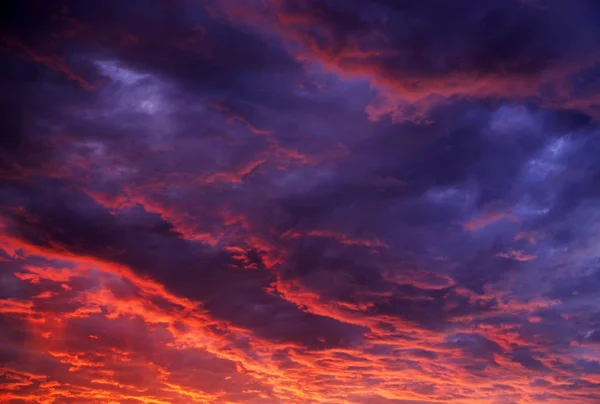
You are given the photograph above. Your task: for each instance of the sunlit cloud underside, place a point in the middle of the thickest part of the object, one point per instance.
(300, 201)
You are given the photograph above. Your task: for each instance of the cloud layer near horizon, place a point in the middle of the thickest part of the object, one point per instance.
(300, 201)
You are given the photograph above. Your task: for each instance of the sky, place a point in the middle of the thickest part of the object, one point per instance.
(300, 201)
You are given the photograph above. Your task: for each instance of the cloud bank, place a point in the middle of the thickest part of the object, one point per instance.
(288, 201)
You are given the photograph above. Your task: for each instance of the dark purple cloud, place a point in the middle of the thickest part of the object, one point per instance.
(299, 201)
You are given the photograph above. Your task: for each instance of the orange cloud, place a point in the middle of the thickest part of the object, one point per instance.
(488, 218)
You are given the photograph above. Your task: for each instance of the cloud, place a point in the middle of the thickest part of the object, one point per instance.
(299, 201)
(423, 54)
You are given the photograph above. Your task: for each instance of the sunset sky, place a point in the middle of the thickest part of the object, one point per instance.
(300, 201)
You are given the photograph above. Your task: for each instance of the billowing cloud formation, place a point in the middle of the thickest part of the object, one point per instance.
(288, 201)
